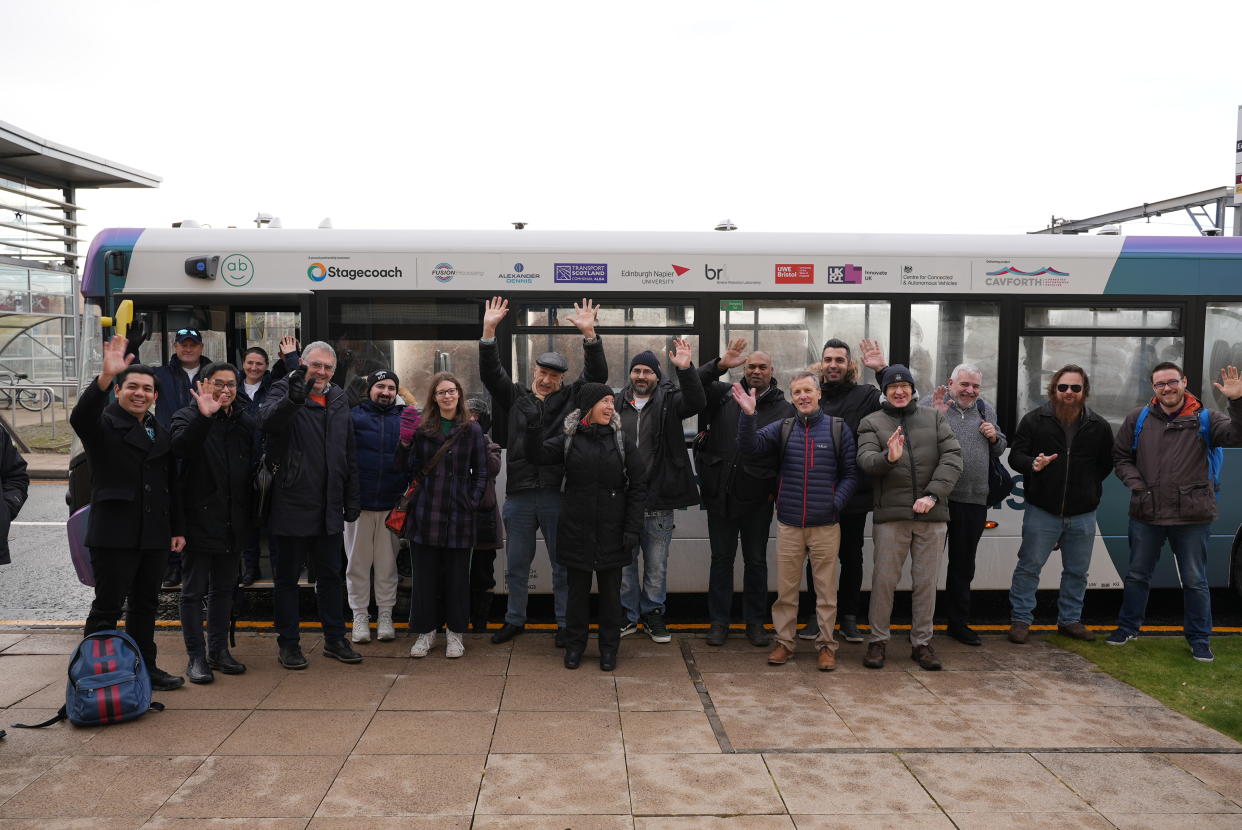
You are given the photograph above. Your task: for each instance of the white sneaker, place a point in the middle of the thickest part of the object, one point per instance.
(362, 627)
(423, 644)
(386, 631)
(455, 647)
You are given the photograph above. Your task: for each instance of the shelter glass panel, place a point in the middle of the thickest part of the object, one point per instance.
(946, 334)
(1222, 346)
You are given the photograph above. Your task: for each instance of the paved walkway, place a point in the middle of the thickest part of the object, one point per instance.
(681, 736)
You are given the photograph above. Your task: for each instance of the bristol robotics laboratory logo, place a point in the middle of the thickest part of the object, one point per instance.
(317, 272)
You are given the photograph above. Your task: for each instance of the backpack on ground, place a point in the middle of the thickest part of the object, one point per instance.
(1215, 455)
(108, 683)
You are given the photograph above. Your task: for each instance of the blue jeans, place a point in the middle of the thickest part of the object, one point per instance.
(523, 512)
(1041, 530)
(653, 541)
(1189, 543)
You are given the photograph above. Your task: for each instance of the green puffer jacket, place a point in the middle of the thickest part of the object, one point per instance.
(929, 465)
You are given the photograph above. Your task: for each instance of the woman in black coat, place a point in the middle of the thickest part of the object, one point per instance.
(214, 438)
(601, 513)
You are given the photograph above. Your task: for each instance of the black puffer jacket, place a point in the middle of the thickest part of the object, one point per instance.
(732, 482)
(217, 476)
(508, 423)
(1074, 482)
(14, 482)
(602, 503)
(317, 483)
(670, 481)
(851, 402)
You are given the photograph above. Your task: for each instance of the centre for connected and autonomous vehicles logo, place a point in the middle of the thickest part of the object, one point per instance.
(317, 271)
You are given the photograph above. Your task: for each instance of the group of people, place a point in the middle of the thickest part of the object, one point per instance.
(601, 473)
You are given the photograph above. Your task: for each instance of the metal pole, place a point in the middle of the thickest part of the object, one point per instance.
(1237, 220)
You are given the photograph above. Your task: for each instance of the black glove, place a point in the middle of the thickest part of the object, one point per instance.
(532, 410)
(352, 514)
(297, 385)
(630, 540)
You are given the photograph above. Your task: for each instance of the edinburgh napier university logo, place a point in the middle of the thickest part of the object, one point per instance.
(595, 272)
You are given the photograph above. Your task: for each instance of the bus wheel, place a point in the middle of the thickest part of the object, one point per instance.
(1235, 565)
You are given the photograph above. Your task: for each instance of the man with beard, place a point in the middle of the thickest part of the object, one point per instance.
(738, 491)
(842, 396)
(1064, 451)
(1165, 455)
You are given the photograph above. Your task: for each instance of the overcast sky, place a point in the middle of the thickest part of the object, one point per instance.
(905, 117)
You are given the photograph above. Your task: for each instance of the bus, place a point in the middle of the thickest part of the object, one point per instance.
(1018, 307)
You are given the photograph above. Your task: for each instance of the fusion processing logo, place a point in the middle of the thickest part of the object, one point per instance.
(443, 272)
(317, 271)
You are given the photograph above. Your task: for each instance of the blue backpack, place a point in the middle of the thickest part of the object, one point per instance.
(1215, 455)
(108, 683)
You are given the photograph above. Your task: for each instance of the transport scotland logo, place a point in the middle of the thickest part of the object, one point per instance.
(580, 272)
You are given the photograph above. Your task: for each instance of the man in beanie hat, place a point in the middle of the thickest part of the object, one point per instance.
(911, 452)
(489, 534)
(533, 491)
(652, 410)
(368, 543)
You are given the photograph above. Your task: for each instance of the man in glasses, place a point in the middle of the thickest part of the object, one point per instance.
(1168, 454)
(176, 378)
(1064, 451)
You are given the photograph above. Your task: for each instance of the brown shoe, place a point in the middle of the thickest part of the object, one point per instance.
(925, 657)
(827, 661)
(1019, 631)
(874, 659)
(1076, 630)
(780, 655)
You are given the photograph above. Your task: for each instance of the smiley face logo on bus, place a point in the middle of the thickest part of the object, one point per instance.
(317, 272)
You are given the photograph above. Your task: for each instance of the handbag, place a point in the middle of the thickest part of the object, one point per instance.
(1000, 482)
(400, 514)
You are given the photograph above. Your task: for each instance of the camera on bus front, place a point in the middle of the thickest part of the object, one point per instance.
(202, 267)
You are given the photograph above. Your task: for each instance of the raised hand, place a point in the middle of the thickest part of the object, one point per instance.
(896, 445)
(1230, 383)
(298, 386)
(114, 360)
(288, 345)
(583, 318)
(745, 399)
(494, 310)
(940, 398)
(1042, 461)
(871, 355)
(735, 355)
(680, 353)
(207, 403)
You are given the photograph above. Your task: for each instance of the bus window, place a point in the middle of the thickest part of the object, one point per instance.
(415, 361)
(619, 347)
(793, 332)
(615, 316)
(946, 334)
(1222, 346)
(263, 329)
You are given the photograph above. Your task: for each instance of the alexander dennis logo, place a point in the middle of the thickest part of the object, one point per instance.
(844, 274)
(317, 271)
(596, 272)
(519, 275)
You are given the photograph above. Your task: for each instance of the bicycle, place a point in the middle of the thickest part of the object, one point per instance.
(32, 399)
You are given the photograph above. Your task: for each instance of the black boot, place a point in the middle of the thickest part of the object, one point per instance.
(250, 575)
(480, 607)
(198, 671)
(172, 577)
(607, 660)
(573, 658)
(224, 663)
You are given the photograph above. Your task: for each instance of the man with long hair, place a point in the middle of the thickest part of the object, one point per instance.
(1065, 451)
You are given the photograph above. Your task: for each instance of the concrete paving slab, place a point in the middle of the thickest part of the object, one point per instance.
(405, 785)
(467, 693)
(903, 726)
(237, 786)
(588, 785)
(547, 822)
(43, 642)
(21, 675)
(672, 667)
(427, 733)
(744, 691)
(714, 823)
(62, 739)
(885, 822)
(225, 823)
(1032, 821)
(848, 784)
(657, 694)
(171, 732)
(281, 732)
(473, 664)
(787, 726)
(1017, 726)
(1035, 656)
(565, 691)
(9, 638)
(83, 787)
(19, 771)
(992, 783)
(1222, 773)
(71, 823)
(392, 823)
(754, 661)
(1091, 688)
(976, 686)
(549, 733)
(1163, 821)
(872, 688)
(1135, 783)
(653, 733)
(329, 690)
(699, 785)
(228, 691)
(1146, 727)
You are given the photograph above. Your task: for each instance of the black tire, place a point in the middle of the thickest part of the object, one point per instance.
(1235, 565)
(34, 400)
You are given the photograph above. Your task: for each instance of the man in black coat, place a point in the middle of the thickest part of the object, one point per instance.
(310, 439)
(214, 438)
(135, 518)
(652, 411)
(14, 482)
(532, 491)
(738, 491)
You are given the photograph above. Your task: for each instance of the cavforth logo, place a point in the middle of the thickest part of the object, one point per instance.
(596, 272)
(519, 275)
(1019, 273)
(317, 271)
(801, 274)
(237, 270)
(844, 274)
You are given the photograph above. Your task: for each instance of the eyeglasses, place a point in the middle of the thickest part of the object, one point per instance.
(1069, 387)
(224, 384)
(322, 367)
(1166, 384)
(447, 393)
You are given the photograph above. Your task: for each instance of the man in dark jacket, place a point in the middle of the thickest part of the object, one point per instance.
(1165, 464)
(489, 532)
(14, 483)
(135, 518)
(310, 437)
(738, 491)
(1064, 451)
(817, 477)
(175, 379)
(369, 544)
(652, 410)
(214, 439)
(532, 491)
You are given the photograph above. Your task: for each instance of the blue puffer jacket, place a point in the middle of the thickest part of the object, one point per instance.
(812, 490)
(375, 436)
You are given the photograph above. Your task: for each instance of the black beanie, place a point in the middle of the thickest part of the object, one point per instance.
(649, 360)
(896, 373)
(591, 394)
(382, 374)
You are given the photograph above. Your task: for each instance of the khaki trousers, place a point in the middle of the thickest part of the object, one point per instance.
(793, 544)
(924, 543)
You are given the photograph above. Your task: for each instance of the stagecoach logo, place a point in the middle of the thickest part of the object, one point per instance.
(519, 275)
(844, 274)
(237, 270)
(580, 272)
(317, 271)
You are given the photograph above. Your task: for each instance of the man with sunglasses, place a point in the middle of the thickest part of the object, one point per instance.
(1064, 451)
(1162, 455)
(176, 378)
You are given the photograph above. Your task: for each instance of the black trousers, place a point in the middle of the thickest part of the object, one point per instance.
(482, 570)
(327, 557)
(123, 574)
(723, 532)
(849, 585)
(439, 572)
(578, 609)
(213, 575)
(965, 528)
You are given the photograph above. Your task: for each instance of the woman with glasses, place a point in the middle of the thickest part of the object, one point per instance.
(215, 439)
(447, 454)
